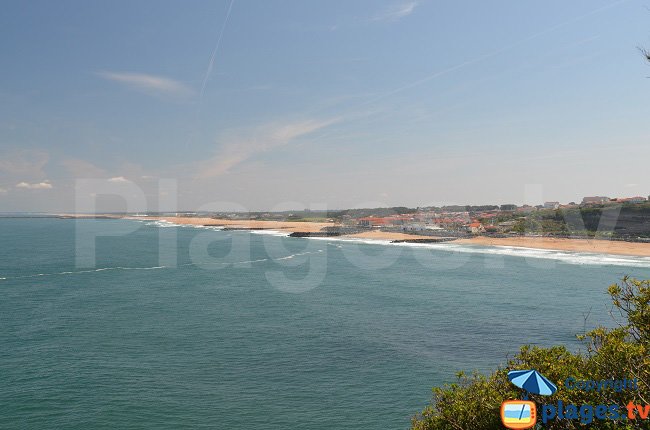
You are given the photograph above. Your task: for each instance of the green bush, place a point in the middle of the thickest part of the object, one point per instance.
(473, 402)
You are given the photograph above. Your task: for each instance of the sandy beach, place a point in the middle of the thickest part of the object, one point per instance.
(287, 226)
(571, 245)
(385, 235)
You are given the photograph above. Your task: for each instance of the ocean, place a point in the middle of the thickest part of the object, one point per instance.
(181, 327)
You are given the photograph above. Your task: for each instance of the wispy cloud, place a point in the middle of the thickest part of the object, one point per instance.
(3, 190)
(23, 163)
(149, 84)
(118, 179)
(83, 169)
(396, 11)
(243, 146)
(45, 185)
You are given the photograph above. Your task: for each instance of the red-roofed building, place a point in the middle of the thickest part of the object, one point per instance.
(371, 221)
(475, 227)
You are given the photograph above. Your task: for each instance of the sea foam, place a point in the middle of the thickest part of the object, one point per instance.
(568, 257)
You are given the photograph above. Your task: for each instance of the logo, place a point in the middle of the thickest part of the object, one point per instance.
(522, 414)
(518, 414)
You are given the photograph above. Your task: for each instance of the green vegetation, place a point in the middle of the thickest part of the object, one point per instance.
(623, 221)
(320, 216)
(619, 221)
(469, 208)
(473, 401)
(380, 212)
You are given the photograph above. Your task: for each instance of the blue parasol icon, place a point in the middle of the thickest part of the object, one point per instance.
(532, 381)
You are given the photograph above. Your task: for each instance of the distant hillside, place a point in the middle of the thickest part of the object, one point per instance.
(623, 221)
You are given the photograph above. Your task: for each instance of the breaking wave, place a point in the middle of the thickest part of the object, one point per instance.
(168, 224)
(568, 257)
(117, 268)
(579, 258)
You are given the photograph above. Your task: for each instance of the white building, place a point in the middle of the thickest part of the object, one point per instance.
(595, 200)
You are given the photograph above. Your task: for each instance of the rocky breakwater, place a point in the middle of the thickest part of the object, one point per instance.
(425, 240)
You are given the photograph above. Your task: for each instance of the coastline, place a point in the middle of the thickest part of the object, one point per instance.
(594, 246)
(283, 226)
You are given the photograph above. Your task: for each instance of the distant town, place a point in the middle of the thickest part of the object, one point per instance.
(619, 218)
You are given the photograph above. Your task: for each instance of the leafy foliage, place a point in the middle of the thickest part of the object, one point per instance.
(473, 401)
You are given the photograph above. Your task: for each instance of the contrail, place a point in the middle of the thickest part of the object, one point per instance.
(478, 59)
(216, 48)
(492, 53)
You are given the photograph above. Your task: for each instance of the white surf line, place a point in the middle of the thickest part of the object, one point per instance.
(568, 257)
(298, 254)
(167, 224)
(104, 269)
(78, 272)
(564, 256)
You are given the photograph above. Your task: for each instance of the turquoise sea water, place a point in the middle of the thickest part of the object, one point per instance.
(280, 333)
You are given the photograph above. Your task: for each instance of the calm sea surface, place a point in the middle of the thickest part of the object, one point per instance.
(260, 331)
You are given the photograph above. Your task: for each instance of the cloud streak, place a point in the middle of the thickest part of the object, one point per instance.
(83, 169)
(242, 147)
(216, 49)
(396, 11)
(149, 84)
(23, 163)
(493, 53)
(45, 185)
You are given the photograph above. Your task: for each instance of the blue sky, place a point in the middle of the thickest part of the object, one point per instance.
(331, 103)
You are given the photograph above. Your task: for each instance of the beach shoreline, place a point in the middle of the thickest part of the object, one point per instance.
(282, 226)
(595, 246)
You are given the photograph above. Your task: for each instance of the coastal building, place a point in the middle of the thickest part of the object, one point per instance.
(551, 205)
(487, 215)
(371, 221)
(420, 226)
(475, 227)
(636, 199)
(399, 219)
(526, 209)
(595, 200)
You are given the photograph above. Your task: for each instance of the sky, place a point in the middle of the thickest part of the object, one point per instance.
(251, 105)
